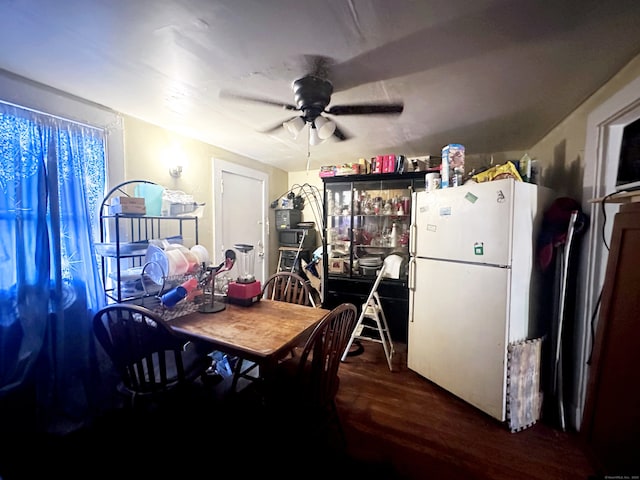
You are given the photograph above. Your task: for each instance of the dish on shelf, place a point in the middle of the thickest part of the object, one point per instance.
(156, 265)
(375, 250)
(164, 242)
(109, 249)
(127, 274)
(201, 253)
(367, 271)
(370, 261)
(178, 263)
(129, 289)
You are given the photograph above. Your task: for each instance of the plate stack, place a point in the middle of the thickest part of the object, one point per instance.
(370, 265)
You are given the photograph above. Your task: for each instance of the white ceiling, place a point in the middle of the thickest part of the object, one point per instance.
(494, 75)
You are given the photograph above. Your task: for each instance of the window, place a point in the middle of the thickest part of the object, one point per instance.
(53, 173)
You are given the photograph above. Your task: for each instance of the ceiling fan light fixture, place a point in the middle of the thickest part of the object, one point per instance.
(314, 138)
(294, 126)
(324, 127)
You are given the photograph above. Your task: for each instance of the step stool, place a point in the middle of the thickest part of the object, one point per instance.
(373, 320)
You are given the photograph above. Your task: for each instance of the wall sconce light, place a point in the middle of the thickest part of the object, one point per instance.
(174, 158)
(175, 170)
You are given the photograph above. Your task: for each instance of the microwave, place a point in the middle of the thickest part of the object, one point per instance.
(287, 218)
(297, 237)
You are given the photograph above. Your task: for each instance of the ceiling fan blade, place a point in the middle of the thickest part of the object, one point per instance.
(366, 109)
(340, 134)
(277, 126)
(265, 101)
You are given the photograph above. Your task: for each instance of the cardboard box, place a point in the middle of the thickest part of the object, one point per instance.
(377, 164)
(452, 163)
(417, 165)
(336, 265)
(390, 164)
(348, 169)
(124, 200)
(327, 171)
(130, 209)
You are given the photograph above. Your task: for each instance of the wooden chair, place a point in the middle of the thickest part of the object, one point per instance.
(151, 359)
(283, 287)
(287, 287)
(306, 386)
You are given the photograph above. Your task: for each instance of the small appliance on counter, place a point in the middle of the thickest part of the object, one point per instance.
(245, 290)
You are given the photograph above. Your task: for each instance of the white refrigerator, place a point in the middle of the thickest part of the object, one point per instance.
(472, 276)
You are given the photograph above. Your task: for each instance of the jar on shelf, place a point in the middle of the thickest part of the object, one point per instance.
(368, 207)
(377, 206)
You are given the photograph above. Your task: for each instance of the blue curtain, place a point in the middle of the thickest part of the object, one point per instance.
(52, 179)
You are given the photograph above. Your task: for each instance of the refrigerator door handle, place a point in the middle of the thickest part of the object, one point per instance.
(413, 229)
(412, 274)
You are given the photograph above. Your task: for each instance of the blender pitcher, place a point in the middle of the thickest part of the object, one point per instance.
(245, 290)
(245, 263)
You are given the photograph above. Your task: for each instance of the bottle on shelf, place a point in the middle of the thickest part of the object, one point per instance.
(393, 237)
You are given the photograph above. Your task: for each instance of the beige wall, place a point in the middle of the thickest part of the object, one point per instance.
(149, 148)
(561, 152)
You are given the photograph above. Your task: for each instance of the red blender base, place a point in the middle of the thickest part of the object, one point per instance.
(244, 293)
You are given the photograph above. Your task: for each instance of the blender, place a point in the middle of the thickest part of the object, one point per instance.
(245, 290)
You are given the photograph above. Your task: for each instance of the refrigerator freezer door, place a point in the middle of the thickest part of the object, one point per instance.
(470, 223)
(458, 330)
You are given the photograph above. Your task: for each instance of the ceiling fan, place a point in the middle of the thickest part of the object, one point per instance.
(312, 95)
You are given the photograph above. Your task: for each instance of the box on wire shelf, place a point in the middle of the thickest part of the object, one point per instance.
(127, 205)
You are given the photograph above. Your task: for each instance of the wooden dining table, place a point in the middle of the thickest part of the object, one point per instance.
(264, 332)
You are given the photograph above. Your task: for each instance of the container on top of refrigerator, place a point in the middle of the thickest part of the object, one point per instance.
(498, 172)
(452, 165)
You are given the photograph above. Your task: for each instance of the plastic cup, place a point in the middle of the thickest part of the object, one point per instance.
(172, 297)
(190, 284)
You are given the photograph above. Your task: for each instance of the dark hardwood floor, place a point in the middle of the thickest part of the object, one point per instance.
(423, 431)
(397, 425)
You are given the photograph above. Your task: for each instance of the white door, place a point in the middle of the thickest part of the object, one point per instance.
(458, 330)
(240, 206)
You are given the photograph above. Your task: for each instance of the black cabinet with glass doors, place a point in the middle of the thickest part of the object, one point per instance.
(366, 219)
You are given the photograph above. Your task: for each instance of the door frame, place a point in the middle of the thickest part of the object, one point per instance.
(602, 147)
(219, 167)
